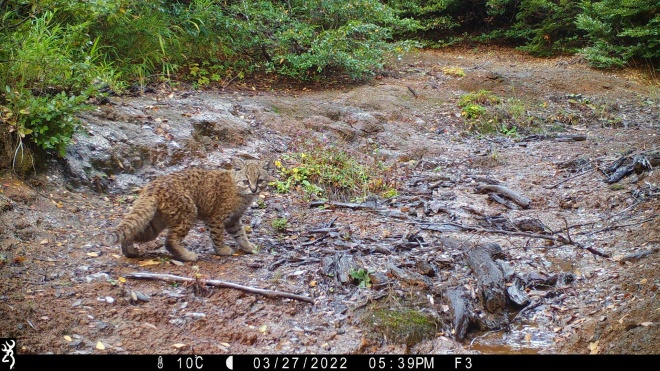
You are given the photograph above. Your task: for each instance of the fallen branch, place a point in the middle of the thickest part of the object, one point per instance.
(348, 205)
(449, 227)
(611, 227)
(496, 197)
(571, 138)
(638, 255)
(516, 197)
(366, 206)
(172, 278)
(569, 178)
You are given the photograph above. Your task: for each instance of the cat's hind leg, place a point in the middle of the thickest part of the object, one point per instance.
(217, 229)
(152, 231)
(181, 223)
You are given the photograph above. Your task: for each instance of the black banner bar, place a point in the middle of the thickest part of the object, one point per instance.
(327, 362)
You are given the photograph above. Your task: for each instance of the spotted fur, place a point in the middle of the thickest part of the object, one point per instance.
(173, 202)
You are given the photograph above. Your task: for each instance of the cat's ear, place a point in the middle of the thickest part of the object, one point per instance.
(269, 168)
(237, 163)
(267, 165)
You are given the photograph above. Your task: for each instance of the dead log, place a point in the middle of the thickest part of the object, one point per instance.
(179, 279)
(516, 197)
(339, 266)
(489, 275)
(411, 278)
(459, 308)
(516, 292)
(627, 165)
(490, 311)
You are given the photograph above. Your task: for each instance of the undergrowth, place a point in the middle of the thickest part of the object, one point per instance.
(323, 170)
(487, 114)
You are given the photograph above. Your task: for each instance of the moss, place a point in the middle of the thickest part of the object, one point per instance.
(403, 325)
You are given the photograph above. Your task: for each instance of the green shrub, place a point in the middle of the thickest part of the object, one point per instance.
(546, 27)
(50, 71)
(620, 31)
(48, 121)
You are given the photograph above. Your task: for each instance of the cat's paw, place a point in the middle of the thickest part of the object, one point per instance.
(129, 250)
(250, 248)
(224, 251)
(185, 256)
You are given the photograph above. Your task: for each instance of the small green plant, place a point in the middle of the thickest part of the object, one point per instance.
(277, 276)
(473, 103)
(616, 187)
(362, 276)
(280, 224)
(509, 130)
(453, 71)
(327, 171)
(206, 74)
(473, 111)
(481, 97)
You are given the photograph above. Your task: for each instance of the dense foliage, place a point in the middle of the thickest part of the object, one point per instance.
(55, 54)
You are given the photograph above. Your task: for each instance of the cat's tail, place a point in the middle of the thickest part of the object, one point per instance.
(134, 222)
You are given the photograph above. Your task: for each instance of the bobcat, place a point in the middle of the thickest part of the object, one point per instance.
(174, 201)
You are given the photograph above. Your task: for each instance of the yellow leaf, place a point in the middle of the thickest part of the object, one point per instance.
(100, 346)
(122, 279)
(528, 338)
(593, 347)
(312, 284)
(263, 329)
(179, 345)
(93, 254)
(67, 338)
(144, 263)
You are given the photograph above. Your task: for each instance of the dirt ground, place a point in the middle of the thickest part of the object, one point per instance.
(65, 292)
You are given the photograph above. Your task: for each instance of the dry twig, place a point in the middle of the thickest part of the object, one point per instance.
(218, 283)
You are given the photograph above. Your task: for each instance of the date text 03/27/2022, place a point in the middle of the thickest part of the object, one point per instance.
(354, 362)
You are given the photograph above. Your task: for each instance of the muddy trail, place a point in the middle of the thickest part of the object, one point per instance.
(378, 271)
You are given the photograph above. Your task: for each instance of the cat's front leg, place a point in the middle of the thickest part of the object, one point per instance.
(235, 228)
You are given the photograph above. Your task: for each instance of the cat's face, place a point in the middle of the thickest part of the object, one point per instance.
(252, 176)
